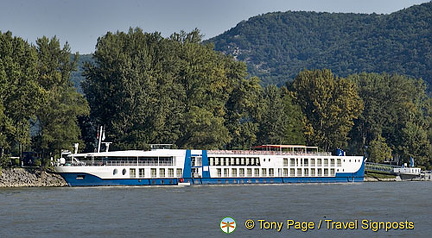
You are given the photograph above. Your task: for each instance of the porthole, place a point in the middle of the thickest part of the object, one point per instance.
(115, 171)
(124, 171)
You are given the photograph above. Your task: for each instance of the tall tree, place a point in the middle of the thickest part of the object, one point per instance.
(397, 109)
(330, 105)
(244, 113)
(282, 122)
(20, 93)
(148, 89)
(57, 119)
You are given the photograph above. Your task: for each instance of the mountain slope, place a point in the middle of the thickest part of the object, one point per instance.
(276, 46)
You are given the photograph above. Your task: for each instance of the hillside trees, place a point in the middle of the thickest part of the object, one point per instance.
(277, 46)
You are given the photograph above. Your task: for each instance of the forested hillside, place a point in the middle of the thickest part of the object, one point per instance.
(276, 46)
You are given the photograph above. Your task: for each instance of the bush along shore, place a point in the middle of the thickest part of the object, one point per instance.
(26, 177)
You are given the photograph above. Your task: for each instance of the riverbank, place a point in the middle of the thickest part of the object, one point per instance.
(23, 177)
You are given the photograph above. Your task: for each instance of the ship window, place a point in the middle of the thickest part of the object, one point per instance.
(285, 172)
(319, 162)
(264, 172)
(312, 172)
(312, 162)
(339, 163)
(256, 172)
(306, 162)
(219, 172)
(179, 173)
(325, 162)
(319, 173)
(80, 177)
(124, 171)
(234, 172)
(141, 172)
(226, 172)
(292, 162)
(114, 171)
(171, 172)
(326, 172)
(211, 161)
(292, 172)
(299, 172)
(132, 173)
(249, 172)
(332, 162)
(271, 172)
(153, 172)
(306, 172)
(162, 173)
(241, 172)
(332, 172)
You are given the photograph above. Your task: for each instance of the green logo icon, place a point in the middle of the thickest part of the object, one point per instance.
(228, 225)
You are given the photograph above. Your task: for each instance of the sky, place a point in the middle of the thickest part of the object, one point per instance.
(81, 22)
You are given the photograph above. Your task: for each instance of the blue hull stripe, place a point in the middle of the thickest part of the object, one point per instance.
(91, 180)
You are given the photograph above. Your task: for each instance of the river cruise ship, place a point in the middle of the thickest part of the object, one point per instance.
(267, 164)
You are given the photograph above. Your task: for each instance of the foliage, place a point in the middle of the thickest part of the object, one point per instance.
(281, 122)
(20, 93)
(276, 46)
(396, 114)
(330, 105)
(35, 88)
(379, 151)
(148, 89)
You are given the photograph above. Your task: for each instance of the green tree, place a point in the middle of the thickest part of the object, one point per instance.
(20, 93)
(148, 89)
(244, 113)
(397, 109)
(379, 151)
(57, 120)
(330, 105)
(281, 121)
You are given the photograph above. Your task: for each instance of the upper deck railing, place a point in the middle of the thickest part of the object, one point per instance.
(264, 152)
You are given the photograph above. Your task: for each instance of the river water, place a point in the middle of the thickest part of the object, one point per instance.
(345, 210)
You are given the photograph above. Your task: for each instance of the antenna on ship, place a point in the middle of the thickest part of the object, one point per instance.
(101, 137)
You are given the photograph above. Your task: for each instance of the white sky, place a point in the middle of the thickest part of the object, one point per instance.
(81, 22)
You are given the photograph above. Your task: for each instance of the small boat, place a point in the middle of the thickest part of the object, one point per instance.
(408, 173)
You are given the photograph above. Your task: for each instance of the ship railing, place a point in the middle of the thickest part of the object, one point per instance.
(258, 152)
(120, 163)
